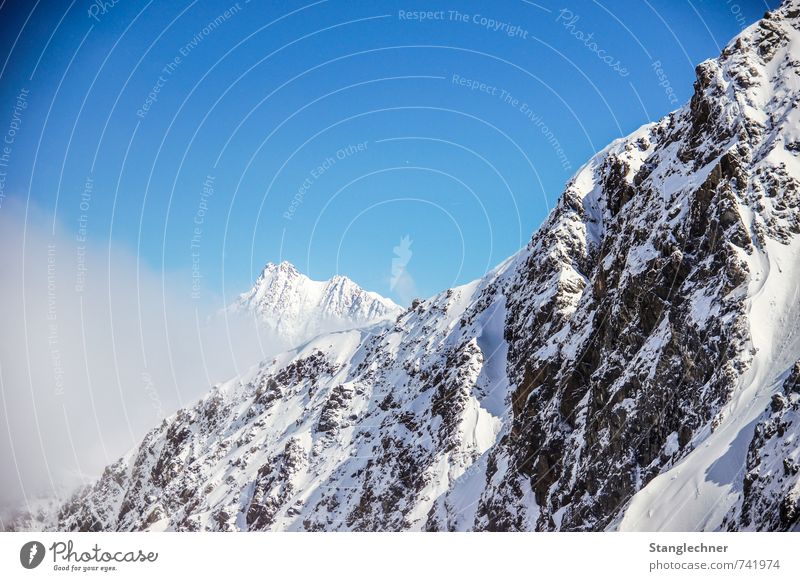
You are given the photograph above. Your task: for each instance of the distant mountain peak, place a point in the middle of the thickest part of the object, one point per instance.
(283, 267)
(297, 308)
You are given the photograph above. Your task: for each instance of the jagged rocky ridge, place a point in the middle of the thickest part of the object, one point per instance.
(634, 367)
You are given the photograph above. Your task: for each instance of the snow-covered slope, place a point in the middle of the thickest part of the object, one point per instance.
(634, 367)
(297, 308)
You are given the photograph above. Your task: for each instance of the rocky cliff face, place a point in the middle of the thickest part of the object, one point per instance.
(634, 367)
(647, 331)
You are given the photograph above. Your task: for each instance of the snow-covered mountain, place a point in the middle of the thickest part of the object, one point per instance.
(635, 366)
(297, 308)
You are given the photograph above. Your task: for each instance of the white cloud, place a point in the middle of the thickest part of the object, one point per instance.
(86, 374)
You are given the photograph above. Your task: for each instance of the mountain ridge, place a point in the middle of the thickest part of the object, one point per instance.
(297, 308)
(634, 367)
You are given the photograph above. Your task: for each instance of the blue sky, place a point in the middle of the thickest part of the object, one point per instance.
(325, 132)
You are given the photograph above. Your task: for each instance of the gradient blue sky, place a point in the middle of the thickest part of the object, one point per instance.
(277, 88)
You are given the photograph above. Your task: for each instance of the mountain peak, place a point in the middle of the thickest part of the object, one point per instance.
(297, 308)
(283, 267)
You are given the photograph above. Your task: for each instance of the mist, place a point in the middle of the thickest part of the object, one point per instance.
(95, 350)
